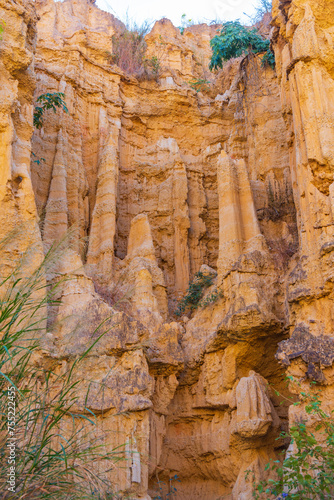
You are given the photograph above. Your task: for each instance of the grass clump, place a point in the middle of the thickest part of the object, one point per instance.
(129, 47)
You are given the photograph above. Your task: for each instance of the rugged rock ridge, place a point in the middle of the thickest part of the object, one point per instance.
(303, 40)
(17, 87)
(151, 181)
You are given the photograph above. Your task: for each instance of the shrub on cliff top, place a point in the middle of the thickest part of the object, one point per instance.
(129, 47)
(235, 40)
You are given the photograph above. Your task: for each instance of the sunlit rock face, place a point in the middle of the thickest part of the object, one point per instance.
(17, 85)
(149, 180)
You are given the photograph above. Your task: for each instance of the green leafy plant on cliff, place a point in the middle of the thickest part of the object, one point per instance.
(268, 59)
(171, 487)
(54, 101)
(235, 40)
(2, 28)
(307, 472)
(200, 85)
(37, 160)
(211, 298)
(153, 64)
(195, 292)
(55, 451)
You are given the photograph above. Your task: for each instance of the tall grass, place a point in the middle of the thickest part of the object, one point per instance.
(56, 456)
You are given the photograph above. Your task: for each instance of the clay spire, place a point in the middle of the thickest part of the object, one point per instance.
(239, 230)
(101, 240)
(56, 217)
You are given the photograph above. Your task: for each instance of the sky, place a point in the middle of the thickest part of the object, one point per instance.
(196, 10)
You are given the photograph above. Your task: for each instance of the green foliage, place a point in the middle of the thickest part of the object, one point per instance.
(153, 64)
(48, 101)
(235, 40)
(211, 298)
(200, 85)
(268, 59)
(308, 472)
(2, 28)
(191, 300)
(56, 451)
(38, 160)
(172, 489)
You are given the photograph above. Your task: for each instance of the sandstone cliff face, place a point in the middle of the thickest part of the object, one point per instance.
(17, 79)
(303, 40)
(150, 180)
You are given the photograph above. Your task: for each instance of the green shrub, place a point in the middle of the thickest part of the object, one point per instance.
(194, 293)
(268, 59)
(308, 472)
(153, 64)
(235, 40)
(2, 28)
(200, 85)
(212, 298)
(48, 101)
